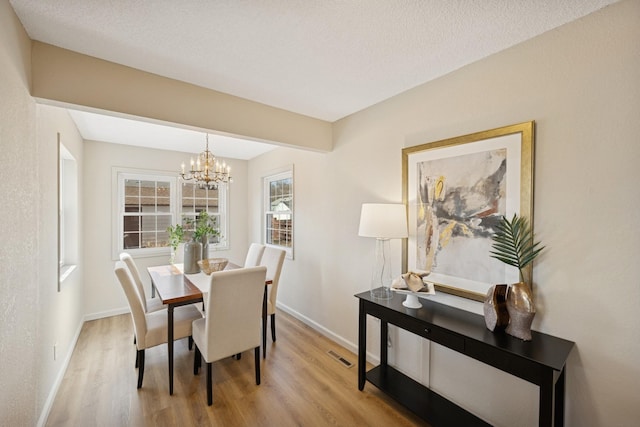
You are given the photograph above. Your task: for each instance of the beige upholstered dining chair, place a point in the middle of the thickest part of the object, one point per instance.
(253, 255)
(273, 259)
(149, 305)
(151, 328)
(232, 323)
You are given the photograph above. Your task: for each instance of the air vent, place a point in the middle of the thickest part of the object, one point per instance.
(340, 359)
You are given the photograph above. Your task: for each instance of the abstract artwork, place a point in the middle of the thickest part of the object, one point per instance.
(456, 190)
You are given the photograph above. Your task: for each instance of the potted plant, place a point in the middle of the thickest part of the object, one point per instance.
(176, 236)
(200, 230)
(204, 227)
(515, 246)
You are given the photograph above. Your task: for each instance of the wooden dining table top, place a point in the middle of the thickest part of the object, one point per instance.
(174, 286)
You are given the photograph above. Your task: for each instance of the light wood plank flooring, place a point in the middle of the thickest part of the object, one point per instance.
(301, 385)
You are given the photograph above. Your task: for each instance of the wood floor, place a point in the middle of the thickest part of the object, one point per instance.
(301, 385)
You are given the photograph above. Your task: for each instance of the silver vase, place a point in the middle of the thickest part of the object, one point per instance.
(521, 311)
(496, 316)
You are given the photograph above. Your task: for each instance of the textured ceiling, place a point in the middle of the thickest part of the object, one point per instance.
(322, 58)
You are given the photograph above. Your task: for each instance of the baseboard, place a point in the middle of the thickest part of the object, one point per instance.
(56, 384)
(109, 313)
(375, 359)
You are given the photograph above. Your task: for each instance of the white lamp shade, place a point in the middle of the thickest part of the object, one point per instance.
(383, 220)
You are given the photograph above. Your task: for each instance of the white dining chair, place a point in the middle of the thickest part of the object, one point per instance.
(253, 255)
(273, 259)
(232, 323)
(149, 305)
(151, 328)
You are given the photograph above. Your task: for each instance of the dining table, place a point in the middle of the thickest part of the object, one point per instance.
(175, 289)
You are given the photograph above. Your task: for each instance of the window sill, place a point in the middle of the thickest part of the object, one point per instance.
(65, 271)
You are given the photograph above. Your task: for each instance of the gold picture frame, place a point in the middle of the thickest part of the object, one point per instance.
(455, 191)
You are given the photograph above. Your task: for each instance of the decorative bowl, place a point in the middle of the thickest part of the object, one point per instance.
(208, 266)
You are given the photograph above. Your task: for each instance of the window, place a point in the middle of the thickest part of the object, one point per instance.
(196, 200)
(278, 215)
(146, 212)
(67, 213)
(62, 195)
(147, 203)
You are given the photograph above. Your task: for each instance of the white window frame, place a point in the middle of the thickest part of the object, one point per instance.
(120, 174)
(67, 213)
(62, 181)
(276, 175)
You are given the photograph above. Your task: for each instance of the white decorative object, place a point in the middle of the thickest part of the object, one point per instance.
(382, 221)
(414, 286)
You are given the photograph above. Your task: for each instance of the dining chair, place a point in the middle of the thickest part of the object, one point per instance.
(273, 259)
(149, 305)
(151, 328)
(253, 255)
(232, 323)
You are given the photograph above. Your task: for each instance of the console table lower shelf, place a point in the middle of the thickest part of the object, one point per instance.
(422, 401)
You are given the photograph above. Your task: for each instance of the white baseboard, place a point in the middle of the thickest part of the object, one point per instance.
(326, 332)
(109, 313)
(56, 384)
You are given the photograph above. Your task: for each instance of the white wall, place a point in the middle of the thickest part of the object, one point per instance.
(581, 84)
(103, 294)
(60, 314)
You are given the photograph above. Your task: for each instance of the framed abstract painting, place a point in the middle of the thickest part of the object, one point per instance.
(456, 190)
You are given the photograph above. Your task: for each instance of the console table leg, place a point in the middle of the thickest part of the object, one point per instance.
(546, 399)
(559, 401)
(384, 336)
(362, 346)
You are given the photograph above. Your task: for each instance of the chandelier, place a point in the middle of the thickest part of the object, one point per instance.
(206, 171)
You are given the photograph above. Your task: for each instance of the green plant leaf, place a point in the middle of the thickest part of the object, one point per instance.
(514, 243)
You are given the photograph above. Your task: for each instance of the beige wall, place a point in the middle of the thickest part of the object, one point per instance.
(19, 299)
(34, 316)
(103, 294)
(580, 83)
(69, 77)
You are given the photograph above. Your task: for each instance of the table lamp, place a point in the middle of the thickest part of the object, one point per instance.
(383, 221)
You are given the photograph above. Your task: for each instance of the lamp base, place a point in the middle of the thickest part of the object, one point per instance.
(381, 293)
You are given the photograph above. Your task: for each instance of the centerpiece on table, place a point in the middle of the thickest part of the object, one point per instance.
(204, 229)
(201, 230)
(514, 245)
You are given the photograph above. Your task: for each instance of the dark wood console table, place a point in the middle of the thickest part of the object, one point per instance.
(540, 361)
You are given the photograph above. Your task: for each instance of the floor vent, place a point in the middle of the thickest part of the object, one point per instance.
(340, 359)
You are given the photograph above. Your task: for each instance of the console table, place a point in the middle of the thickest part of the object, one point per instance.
(540, 361)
